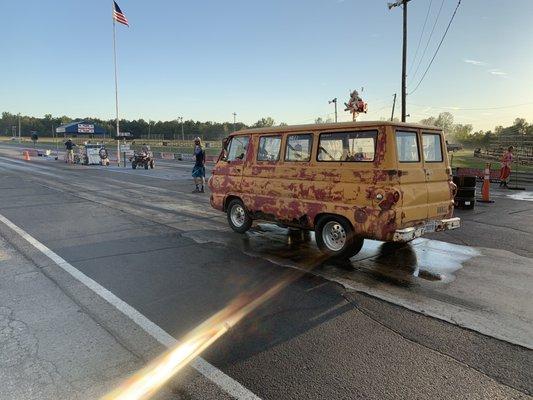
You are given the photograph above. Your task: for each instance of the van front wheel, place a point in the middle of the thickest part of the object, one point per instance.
(238, 217)
(335, 237)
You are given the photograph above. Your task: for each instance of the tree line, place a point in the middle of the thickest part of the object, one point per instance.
(46, 126)
(460, 133)
(465, 134)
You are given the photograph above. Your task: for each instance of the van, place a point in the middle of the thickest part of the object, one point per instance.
(346, 181)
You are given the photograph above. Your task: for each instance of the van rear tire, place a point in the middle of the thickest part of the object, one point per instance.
(335, 238)
(238, 218)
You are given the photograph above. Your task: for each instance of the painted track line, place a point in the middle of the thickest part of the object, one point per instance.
(219, 378)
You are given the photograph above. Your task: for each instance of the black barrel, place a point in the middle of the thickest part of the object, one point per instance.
(466, 192)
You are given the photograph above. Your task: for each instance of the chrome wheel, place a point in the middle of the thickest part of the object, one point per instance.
(238, 215)
(334, 236)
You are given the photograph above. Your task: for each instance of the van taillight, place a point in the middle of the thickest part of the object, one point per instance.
(396, 196)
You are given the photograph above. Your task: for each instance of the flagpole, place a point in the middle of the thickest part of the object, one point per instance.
(116, 88)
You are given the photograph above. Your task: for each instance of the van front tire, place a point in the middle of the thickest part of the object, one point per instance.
(238, 217)
(335, 238)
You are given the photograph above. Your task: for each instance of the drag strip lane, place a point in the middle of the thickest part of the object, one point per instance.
(459, 284)
(307, 344)
(212, 373)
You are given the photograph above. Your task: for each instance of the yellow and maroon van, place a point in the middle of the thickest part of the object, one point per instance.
(346, 181)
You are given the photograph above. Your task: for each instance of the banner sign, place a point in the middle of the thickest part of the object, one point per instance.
(85, 128)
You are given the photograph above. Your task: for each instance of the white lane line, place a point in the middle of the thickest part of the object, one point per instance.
(219, 378)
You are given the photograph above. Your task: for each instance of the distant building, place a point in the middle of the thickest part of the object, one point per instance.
(80, 128)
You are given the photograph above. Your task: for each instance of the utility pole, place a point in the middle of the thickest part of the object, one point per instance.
(334, 101)
(404, 53)
(20, 130)
(234, 122)
(393, 107)
(180, 119)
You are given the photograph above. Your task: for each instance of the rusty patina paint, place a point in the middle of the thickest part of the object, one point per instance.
(368, 194)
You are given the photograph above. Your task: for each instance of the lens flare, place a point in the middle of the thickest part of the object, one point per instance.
(150, 379)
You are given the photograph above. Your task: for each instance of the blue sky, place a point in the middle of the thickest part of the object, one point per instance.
(282, 58)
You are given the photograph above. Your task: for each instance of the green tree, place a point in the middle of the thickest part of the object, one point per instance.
(264, 123)
(462, 133)
(445, 121)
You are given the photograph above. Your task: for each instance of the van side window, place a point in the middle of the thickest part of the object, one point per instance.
(359, 146)
(432, 147)
(237, 148)
(407, 146)
(269, 148)
(298, 148)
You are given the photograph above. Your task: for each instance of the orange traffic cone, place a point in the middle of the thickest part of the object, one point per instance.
(485, 189)
(26, 155)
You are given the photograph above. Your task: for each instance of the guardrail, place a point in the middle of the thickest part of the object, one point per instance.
(112, 155)
(523, 178)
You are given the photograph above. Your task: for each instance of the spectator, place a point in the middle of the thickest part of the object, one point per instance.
(198, 171)
(505, 172)
(69, 146)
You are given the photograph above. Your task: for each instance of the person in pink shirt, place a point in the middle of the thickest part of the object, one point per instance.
(505, 172)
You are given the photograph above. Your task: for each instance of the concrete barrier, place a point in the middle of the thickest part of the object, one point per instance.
(167, 156)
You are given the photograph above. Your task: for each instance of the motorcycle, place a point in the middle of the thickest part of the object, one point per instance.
(142, 159)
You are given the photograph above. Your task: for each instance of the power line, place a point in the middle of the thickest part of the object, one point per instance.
(420, 39)
(429, 40)
(474, 109)
(438, 47)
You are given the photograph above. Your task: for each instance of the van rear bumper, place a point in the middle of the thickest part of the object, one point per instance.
(407, 234)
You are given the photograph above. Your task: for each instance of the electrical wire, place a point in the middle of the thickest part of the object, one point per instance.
(438, 48)
(429, 40)
(420, 39)
(473, 109)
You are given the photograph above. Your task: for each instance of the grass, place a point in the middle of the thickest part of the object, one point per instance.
(465, 159)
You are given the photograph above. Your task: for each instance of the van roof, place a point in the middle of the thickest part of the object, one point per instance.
(337, 125)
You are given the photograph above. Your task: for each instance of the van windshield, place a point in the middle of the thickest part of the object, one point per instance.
(358, 146)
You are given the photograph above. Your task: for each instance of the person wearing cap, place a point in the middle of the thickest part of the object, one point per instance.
(69, 146)
(198, 171)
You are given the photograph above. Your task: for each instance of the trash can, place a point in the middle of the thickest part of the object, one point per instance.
(466, 192)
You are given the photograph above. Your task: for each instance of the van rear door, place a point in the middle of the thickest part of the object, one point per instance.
(437, 174)
(412, 176)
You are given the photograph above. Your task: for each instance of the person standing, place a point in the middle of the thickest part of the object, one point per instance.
(505, 172)
(146, 149)
(69, 146)
(198, 171)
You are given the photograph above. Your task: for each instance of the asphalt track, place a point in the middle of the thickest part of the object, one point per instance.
(448, 317)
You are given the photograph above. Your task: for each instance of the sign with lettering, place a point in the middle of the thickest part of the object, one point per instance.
(85, 128)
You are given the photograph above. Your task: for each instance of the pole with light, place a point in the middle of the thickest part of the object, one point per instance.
(335, 102)
(180, 120)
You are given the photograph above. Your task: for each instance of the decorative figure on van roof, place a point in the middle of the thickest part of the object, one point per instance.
(356, 105)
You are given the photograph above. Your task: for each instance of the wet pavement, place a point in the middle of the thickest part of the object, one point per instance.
(145, 237)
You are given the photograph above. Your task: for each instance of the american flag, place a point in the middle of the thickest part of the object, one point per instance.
(118, 15)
